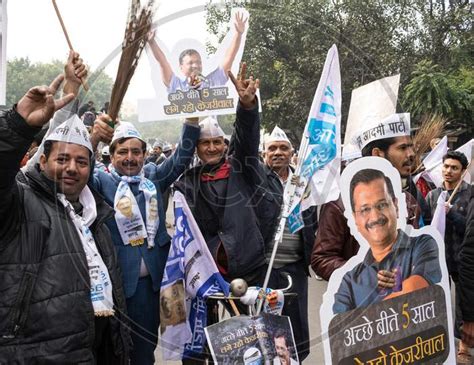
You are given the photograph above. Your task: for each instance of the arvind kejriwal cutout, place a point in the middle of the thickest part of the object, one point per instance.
(409, 319)
(190, 82)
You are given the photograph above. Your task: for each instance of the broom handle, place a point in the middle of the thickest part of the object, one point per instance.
(83, 82)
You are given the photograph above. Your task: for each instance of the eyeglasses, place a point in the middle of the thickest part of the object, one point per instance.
(365, 212)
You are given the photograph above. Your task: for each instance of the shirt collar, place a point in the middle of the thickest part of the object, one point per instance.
(402, 242)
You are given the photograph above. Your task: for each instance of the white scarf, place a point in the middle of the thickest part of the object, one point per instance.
(101, 286)
(127, 213)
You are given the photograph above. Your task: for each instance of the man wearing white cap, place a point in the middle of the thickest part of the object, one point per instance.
(58, 269)
(293, 254)
(219, 190)
(139, 234)
(390, 139)
(156, 156)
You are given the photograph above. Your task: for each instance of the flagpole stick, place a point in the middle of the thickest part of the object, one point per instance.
(234, 307)
(458, 185)
(84, 84)
(418, 168)
(291, 187)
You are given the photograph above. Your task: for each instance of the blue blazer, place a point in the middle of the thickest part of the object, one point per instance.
(162, 176)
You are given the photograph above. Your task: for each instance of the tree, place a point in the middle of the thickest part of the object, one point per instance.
(287, 43)
(22, 74)
(450, 95)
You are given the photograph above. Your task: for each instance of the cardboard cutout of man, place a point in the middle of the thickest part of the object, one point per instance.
(395, 263)
(190, 63)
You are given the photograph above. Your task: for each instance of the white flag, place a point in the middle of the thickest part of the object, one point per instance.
(320, 149)
(433, 162)
(439, 216)
(435, 174)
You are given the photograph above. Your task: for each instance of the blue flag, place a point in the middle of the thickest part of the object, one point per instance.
(190, 276)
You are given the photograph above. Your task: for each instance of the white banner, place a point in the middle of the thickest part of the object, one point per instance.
(190, 82)
(320, 149)
(369, 105)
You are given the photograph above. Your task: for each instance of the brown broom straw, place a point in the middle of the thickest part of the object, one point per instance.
(138, 25)
(432, 126)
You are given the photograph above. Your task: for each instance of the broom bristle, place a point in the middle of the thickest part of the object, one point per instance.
(431, 126)
(139, 23)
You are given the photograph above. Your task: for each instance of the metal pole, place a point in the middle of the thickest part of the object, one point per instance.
(290, 187)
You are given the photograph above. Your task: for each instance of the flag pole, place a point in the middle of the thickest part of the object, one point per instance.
(290, 196)
(291, 187)
(83, 82)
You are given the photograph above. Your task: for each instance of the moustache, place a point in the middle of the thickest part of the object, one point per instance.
(409, 162)
(381, 222)
(129, 164)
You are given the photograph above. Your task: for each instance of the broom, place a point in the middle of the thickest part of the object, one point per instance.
(139, 23)
(431, 126)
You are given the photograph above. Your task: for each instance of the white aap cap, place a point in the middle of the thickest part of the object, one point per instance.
(126, 130)
(277, 134)
(72, 130)
(210, 128)
(395, 125)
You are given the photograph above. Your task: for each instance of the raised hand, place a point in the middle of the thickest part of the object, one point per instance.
(239, 22)
(102, 130)
(246, 88)
(38, 105)
(150, 36)
(74, 71)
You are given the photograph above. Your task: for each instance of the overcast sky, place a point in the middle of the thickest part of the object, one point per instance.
(96, 29)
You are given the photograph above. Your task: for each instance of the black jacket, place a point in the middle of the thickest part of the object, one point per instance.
(46, 313)
(455, 224)
(269, 200)
(466, 265)
(227, 220)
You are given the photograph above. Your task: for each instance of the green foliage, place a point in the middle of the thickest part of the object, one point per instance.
(428, 91)
(170, 130)
(22, 74)
(431, 91)
(100, 88)
(288, 41)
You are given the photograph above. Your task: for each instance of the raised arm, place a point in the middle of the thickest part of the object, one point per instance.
(247, 123)
(239, 25)
(74, 70)
(167, 172)
(18, 126)
(166, 71)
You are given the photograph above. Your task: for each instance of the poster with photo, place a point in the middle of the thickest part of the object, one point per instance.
(263, 339)
(389, 304)
(188, 81)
